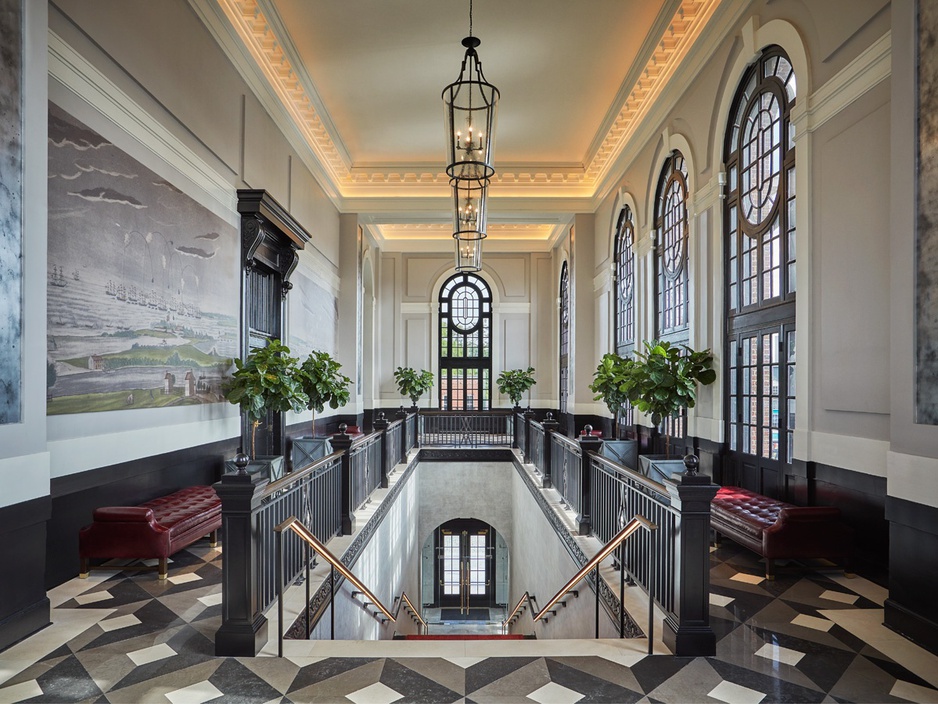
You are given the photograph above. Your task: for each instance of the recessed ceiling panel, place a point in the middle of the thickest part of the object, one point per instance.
(379, 67)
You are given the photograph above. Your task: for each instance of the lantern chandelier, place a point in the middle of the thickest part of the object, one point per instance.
(470, 105)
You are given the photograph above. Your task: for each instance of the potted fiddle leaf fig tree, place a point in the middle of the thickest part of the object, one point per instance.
(325, 385)
(610, 384)
(265, 380)
(412, 383)
(610, 375)
(662, 381)
(514, 382)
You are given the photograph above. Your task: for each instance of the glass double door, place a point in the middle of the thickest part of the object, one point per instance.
(464, 564)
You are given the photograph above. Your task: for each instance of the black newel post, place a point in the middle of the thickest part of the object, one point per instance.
(550, 427)
(243, 630)
(691, 635)
(588, 443)
(528, 417)
(343, 442)
(382, 424)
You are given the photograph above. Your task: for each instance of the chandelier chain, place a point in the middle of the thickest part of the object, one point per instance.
(470, 18)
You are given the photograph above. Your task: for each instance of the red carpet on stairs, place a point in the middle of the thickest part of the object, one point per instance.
(467, 636)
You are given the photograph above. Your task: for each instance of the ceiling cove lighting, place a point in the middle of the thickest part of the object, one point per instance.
(470, 107)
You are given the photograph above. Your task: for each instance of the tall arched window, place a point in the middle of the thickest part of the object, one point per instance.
(564, 337)
(465, 344)
(671, 258)
(760, 272)
(624, 287)
(671, 266)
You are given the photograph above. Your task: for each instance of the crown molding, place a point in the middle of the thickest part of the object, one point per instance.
(253, 36)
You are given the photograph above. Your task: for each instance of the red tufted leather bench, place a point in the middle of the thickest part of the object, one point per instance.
(156, 529)
(778, 530)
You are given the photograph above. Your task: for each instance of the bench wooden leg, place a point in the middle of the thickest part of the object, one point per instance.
(213, 538)
(769, 568)
(163, 568)
(84, 569)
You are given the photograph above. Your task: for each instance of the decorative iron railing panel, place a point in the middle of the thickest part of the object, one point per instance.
(411, 432)
(536, 455)
(365, 462)
(314, 494)
(392, 449)
(521, 437)
(465, 429)
(566, 470)
(617, 495)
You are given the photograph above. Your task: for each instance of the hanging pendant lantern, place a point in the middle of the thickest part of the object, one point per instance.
(469, 208)
(468, 254)
(470, 105)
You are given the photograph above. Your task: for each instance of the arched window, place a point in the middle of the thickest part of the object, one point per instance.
(625, 283)
(465, 344)
(624, 287)
(671, 266)
(759, 240)
(564, 337)
(671, 257)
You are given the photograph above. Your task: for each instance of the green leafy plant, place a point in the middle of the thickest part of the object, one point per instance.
(412, 383)
(610, 375)
(265, 381)
(514, 382)
(321, 380)
(662, 381)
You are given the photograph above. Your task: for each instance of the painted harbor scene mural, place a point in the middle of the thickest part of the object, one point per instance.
(143, 284)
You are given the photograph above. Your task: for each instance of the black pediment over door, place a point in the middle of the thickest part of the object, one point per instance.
(270, 241)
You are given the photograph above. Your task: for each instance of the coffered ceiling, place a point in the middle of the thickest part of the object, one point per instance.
(360, 82)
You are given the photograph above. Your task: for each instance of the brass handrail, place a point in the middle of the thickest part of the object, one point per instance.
(404, 599)
(293, 523)
(620, 537)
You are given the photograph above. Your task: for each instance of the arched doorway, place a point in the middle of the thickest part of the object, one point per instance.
(465, 570)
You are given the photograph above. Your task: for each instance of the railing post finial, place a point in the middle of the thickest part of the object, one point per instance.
(692, 465)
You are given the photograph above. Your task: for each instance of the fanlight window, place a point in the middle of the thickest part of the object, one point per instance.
(760, 263)
(465, 344)
(671, 262)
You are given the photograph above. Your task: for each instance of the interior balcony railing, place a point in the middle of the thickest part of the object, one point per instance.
(466, 428)
(602, 494)
(606, 495)
(550, 608)
(337, 574)
(324, 495)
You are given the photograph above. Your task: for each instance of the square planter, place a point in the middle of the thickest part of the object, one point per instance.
(268, 467)
(305, 451)
(657, 468)
(624, 452)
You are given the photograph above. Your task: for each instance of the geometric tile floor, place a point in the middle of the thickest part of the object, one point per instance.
(805, 637)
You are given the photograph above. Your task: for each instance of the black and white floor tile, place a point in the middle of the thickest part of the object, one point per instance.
(806, 637)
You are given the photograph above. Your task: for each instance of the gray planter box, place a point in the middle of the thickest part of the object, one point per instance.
(266, 466)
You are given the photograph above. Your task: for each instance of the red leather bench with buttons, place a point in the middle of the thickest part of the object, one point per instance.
(777, 530)
(154, 530)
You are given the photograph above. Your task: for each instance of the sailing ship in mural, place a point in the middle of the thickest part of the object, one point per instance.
(143, 283)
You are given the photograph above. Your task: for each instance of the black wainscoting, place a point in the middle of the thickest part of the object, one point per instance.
(75, 496)
(24, 608)
(911, 608)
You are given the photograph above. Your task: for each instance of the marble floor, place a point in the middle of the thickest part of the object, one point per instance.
(805, 637)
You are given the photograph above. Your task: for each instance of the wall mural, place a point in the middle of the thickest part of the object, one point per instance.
(11, 224)
(314, 317)
(927, 228)
(143, 289)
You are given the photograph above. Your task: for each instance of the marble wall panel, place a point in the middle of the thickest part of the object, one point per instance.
(313, 316)
(926, 372)
(11, 221)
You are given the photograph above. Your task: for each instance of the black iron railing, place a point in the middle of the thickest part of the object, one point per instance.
(365, 461)
(566, 470)
(465, 429)
(312, 493)
(618, 494)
